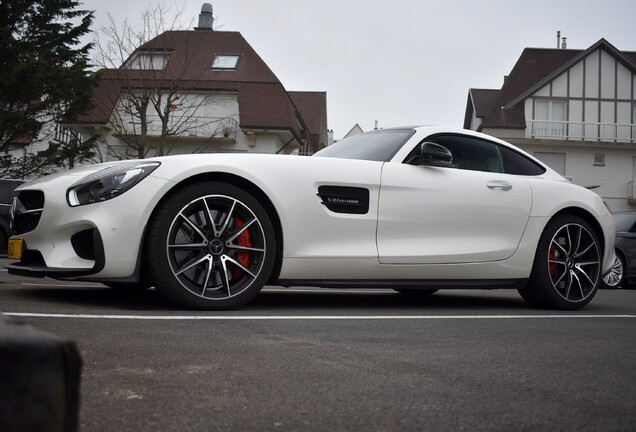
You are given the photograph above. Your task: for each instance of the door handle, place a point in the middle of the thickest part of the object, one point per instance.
(499, 184)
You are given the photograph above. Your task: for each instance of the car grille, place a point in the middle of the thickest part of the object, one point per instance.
(26, 210)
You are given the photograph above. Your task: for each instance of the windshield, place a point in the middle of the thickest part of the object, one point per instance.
(378, 145)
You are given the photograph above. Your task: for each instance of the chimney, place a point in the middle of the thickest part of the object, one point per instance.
(564, 44)
(558, 39)
(206, 20)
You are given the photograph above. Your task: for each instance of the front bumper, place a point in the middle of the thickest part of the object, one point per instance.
(33, 264)
(97, 242)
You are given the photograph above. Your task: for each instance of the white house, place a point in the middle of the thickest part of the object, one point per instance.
(573, 109)
(218, 92)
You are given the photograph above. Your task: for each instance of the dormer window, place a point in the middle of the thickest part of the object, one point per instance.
(148, 60)
(225, 61)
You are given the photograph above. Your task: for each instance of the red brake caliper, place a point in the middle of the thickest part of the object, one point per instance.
(552, 266)
(242, 240)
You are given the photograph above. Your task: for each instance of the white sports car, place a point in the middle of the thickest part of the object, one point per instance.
(413, 209)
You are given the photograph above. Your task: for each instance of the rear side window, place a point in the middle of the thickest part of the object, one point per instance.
(516, 163)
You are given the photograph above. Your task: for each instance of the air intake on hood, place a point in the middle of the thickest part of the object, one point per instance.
(345, 199)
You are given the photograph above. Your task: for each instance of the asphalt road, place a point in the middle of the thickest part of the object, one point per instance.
(357, 360)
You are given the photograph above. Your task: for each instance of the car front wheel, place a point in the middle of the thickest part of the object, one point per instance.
(567, 265)
(210, 246)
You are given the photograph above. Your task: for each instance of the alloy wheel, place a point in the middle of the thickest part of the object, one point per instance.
(574, 262)
(216, 247)
(615, 275)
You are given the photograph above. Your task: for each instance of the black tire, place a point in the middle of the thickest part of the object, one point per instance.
(567, 265)
(210, 246)
(616, 276)
(425, 292)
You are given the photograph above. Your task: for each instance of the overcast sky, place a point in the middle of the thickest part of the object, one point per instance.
(400, 62)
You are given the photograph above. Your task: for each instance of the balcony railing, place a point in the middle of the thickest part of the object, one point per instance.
(65, 135)
(581, 131)
(196, 126)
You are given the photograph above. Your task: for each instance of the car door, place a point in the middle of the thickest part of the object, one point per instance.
(469, 212)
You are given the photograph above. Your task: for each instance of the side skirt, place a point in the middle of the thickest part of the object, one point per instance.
(424, 284)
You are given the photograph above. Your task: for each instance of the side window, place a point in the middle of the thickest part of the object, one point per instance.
(471, 153)
(625, 222)
(5, 192)
(518, 164)
(476, 154)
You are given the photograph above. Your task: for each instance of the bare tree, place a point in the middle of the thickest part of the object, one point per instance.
(155, 97)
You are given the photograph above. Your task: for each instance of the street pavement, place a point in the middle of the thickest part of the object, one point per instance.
(355, 360)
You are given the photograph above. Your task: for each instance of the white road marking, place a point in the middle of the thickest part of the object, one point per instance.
(300, 317)
(53, 285)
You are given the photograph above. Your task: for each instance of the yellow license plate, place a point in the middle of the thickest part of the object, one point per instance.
(15, 248)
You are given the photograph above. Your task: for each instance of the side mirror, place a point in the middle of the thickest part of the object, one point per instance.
(432, 154)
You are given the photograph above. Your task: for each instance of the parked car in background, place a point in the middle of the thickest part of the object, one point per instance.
(6, 198)
(624, 269)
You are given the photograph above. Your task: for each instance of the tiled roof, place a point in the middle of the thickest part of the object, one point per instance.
(534, 66)
(313, 109)
(480, 101)
(196, 50)
(263, 101)
(483, 100)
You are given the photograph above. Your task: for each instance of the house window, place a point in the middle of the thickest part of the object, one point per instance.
(549, 118)
(149, 61)
(599, 159)
(225, 61)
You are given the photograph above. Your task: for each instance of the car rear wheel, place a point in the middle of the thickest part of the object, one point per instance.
(614, 278)
(211, 246)
(567, 265)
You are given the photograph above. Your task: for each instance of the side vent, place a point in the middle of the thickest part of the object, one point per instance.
(84, 245)
(344, 199)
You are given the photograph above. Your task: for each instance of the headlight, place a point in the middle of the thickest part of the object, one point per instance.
(109, 183)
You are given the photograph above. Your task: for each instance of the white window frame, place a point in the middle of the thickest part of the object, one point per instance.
(550, 126)
(225, 61)
(149, 60)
